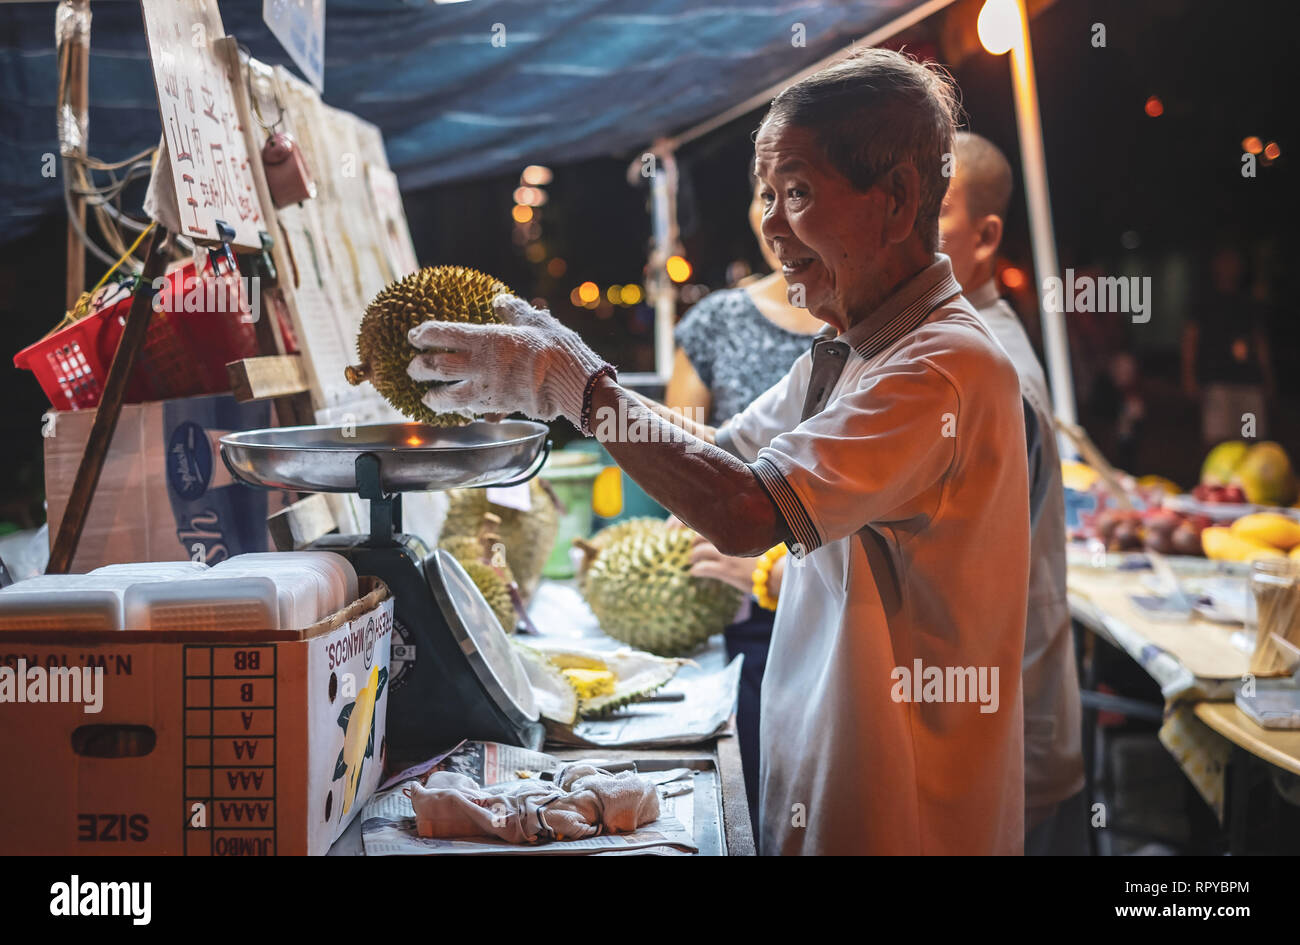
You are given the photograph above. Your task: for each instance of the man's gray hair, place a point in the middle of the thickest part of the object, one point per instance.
(874, 110)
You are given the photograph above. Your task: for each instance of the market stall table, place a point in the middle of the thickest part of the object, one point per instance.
(722, 823)
(727, 817)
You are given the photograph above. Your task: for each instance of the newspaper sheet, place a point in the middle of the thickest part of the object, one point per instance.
(388, 820)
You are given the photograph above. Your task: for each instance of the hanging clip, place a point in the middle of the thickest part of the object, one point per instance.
(265, 264)
(226, 233)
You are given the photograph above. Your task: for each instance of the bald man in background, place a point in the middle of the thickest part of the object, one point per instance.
(1056, 812)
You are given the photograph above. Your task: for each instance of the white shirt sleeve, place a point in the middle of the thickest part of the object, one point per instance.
(867, 453)
(773, 412)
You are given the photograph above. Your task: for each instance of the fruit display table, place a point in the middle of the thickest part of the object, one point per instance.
(1101, 600)
(1196, 663)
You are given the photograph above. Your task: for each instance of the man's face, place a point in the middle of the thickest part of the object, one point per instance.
(828, 235)
(959, 237)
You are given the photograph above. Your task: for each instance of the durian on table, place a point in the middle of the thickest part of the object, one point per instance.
(637, 581)
(574, 683)
(492, 577)
(444, 293)
(527, 536)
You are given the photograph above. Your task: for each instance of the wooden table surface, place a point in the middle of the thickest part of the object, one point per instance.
(1280, 747)
(1200, 645)
(1204, 647)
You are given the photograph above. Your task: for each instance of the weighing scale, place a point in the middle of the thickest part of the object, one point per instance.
(453, 673)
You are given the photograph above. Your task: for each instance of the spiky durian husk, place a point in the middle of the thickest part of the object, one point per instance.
(640, 589)
(446, 293)
(495, 591)
(641, 525)
(528, 536)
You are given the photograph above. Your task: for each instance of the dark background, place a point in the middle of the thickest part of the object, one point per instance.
(1173, 183)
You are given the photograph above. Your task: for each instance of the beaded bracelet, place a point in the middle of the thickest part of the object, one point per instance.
(590, 390)
(763, 573)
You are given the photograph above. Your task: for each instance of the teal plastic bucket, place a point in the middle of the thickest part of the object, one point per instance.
(572, 477)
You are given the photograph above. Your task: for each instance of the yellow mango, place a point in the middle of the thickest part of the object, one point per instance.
(1221, 544)
(1269, 528)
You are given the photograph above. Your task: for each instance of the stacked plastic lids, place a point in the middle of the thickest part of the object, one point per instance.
(265, 591)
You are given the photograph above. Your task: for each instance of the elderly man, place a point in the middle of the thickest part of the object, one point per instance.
(891, 461)
(970, 227)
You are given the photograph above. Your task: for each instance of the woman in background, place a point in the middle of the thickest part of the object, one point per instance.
(732, 346)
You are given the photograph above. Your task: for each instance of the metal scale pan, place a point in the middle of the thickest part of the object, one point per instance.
(413, 457)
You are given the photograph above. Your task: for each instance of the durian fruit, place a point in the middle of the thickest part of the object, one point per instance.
(493, 579)
(591, 683)
(639, 586)
(446, 293)
(574, 683)
(528, 536)
(554, 692)
(610, 534)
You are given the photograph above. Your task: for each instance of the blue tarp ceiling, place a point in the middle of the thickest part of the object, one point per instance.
(574, 79)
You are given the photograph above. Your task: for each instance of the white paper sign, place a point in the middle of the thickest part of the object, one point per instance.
(299, 25)
(205, 140)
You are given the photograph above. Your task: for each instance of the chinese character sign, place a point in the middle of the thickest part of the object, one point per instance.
(205, 139)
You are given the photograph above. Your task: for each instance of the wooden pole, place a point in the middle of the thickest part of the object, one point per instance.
(110, 408)
(78, 92)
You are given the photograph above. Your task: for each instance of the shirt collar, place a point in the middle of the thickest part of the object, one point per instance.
(904, 310)
(985, 295)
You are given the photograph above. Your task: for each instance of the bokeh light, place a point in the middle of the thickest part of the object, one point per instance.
(999, 25)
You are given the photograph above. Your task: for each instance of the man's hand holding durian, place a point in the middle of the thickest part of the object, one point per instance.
(536, 366)
(531, 364)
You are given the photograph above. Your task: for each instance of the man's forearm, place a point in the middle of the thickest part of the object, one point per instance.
(694, 427)
(707, 488)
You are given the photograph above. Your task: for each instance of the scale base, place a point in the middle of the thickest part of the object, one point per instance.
(435, 699)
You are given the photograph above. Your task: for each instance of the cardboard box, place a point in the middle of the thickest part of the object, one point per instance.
(164, 493)
(236, 743)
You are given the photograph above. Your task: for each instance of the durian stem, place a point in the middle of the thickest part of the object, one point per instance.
(589, 552)
(356, 373)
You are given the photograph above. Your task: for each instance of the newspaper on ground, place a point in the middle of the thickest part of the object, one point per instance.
(388, 819)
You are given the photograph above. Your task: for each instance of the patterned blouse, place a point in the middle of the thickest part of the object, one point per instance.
(737, 352)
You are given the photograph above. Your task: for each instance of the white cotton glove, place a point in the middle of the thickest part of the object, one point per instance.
(531, 364)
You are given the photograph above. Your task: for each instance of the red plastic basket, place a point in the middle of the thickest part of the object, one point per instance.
(185, 352)
(70, 364)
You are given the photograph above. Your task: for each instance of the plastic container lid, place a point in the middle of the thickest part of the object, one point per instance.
(337, 570)
(205, 603)
(162, 569)
(304, 593)
(67, 601)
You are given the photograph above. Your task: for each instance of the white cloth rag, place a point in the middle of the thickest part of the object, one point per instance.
(582, 801)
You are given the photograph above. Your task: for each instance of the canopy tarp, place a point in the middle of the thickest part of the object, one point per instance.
(565, 80)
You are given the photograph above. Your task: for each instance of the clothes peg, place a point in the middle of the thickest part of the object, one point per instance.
(265, 263)
(226, 233)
